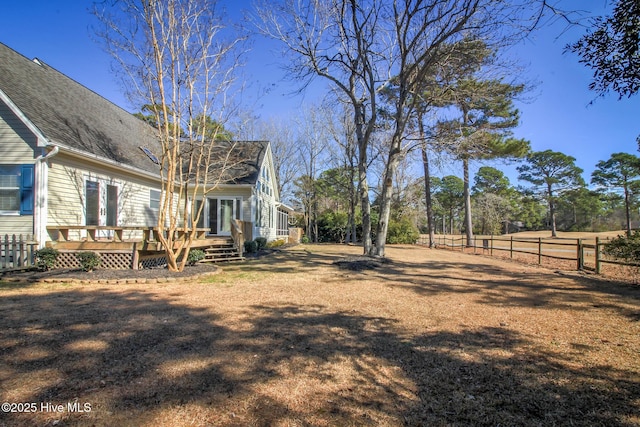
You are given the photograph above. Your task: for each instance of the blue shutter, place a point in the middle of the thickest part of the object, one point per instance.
(26, 190)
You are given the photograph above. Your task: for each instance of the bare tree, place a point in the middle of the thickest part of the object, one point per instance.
(360, 46)
(180, 64)
(333, 40)
(313, 140)
(342, 132)
(284, 150)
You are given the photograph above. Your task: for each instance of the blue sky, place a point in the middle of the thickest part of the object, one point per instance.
(559, 117)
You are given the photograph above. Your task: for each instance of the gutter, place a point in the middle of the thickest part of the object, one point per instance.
(40, 211)
(108, 162)
(49, 155)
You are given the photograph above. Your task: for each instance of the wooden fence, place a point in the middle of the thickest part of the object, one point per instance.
(17, 252)
(584, 254)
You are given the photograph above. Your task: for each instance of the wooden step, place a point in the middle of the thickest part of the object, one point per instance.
(222, 251)
(235, 257)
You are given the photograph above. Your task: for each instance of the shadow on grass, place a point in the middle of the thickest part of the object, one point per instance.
(489, 376)
(505, 286)
(140, 359)
(493, 284)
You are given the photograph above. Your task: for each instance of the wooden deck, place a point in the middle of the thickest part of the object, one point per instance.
(136, 245)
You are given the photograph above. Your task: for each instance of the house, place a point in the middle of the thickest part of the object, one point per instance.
(76, 167)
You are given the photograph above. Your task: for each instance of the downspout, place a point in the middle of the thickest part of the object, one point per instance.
(41, 198)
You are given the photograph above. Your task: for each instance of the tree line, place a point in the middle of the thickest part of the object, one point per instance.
(551, 192)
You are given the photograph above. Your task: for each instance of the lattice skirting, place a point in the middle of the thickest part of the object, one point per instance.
(108, 260)
(152, 261)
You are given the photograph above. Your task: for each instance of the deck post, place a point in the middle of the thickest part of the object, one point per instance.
(135, 257)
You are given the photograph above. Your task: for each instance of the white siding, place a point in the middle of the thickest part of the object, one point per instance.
(17, 146)
(66, 189)
(267, 193)
(17, 142)
(16, 224)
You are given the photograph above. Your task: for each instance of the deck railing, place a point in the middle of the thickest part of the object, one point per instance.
(97, 233)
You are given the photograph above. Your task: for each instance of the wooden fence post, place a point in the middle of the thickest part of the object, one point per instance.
(21, 251)
(597, 255)
(511, 248)
(579, 254)
(3, 251)
(17, 251)
(14, 249)
(539, 250)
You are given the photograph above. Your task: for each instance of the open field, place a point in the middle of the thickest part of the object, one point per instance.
(315, 336)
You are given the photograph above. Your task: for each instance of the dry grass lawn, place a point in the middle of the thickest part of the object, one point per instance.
(430, 337)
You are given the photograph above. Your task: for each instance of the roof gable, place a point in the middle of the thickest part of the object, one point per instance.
(242, 160)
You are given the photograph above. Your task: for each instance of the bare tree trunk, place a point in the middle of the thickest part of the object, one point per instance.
(395, 153)
(468, 225)
(627, 210)
(351, 223)
(427, 186)
(365, 205)
(552, 211)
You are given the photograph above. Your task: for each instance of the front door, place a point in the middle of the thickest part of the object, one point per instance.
(101, 205)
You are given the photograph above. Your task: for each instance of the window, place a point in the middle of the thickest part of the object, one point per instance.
(258, 218)
(154, 199)
(16, 189)
(92, 202)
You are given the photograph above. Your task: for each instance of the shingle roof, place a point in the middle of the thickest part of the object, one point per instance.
(243, 160)
(70, 114)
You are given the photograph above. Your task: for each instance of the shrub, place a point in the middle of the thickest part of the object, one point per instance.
(262, 242)
(276, 243)
(305, 239)
(195, 255)
(332, 226)
(251, 246)
(402, 231)
(625, 248)
(88, 260)
(47, 258)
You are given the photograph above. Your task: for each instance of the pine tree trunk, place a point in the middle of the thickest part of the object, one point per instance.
(468, 225)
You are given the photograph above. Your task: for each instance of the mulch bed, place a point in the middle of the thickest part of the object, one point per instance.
(359, 263)
(109, 275)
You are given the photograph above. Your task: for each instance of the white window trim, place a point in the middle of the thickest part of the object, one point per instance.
(155, 209)
(12, 212)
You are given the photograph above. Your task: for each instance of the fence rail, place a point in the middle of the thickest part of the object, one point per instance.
(585, 254)
(17, 252)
